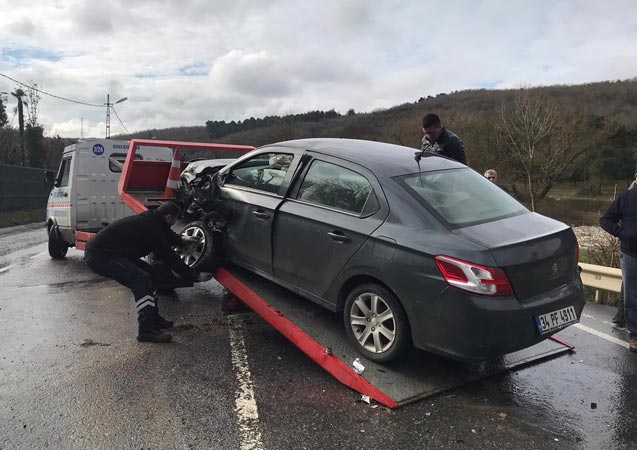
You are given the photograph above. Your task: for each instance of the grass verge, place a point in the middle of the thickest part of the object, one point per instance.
(14, 218)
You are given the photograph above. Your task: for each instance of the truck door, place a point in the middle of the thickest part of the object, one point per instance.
(59, 206)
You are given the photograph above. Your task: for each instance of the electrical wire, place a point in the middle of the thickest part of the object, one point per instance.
(120, 120)
(66, 99)
(50, 95)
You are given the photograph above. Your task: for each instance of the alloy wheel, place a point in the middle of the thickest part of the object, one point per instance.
(192, 252)
(373, 322)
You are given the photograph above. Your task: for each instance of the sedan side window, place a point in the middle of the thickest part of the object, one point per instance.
(264, 172)
(335, 186)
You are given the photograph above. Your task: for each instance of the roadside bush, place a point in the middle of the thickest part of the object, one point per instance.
(14, 218)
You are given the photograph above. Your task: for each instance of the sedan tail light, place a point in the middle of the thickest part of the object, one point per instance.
(473, 277)
(576, 254)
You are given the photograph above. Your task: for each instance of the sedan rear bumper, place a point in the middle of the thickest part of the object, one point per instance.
(476, 328)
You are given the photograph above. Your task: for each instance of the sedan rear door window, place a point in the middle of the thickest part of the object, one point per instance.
(462, 197)
(335, 186)
(264, 172)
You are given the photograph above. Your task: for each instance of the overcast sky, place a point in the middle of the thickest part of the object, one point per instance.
(183, 62)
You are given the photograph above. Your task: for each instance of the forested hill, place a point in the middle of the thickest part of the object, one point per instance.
(594, 125)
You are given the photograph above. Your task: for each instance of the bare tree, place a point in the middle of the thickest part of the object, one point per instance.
(3, 112)
(33, 104)
(542, 138)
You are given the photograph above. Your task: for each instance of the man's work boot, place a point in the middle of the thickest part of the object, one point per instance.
(158, 320)
(618, 318)
(155, 335)
(147, 317)
(163, 323)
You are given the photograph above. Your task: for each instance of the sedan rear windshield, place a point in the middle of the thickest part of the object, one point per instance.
(461, 197)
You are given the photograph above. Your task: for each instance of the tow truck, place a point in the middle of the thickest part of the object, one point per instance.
(307, 325)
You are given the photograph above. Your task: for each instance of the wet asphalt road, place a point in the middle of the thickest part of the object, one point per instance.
(72, 376)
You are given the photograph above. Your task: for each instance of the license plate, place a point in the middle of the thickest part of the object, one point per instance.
(554, 320)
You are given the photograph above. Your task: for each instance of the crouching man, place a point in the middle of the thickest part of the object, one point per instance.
(115, 251)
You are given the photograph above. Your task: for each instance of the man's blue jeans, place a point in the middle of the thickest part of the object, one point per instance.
(135, 275)
(629, 275)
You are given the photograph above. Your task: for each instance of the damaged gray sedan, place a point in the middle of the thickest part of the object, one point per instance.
(423, 252)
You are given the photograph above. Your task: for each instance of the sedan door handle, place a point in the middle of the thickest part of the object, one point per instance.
(260, 214)
(338, 236)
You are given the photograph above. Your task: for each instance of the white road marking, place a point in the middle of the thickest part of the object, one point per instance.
(245, 405)
(605, 336)
(39, 254)
(4, 269)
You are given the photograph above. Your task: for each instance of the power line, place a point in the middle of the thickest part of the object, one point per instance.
(50, 95)
(120, 120)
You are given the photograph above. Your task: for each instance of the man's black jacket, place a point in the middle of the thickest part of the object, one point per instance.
(137, 236)
(624, 210)
(447, 144)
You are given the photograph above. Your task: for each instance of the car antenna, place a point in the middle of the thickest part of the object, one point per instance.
(418, 157)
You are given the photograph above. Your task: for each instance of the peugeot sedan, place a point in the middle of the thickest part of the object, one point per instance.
(409, 251)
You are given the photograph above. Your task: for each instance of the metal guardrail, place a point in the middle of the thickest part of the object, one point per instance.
(601, 278)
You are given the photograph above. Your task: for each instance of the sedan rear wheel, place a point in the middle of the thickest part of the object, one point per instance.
(376, 323)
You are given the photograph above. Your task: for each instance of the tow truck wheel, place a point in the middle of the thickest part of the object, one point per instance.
(57, 247)
(200, 255)
(376, 323)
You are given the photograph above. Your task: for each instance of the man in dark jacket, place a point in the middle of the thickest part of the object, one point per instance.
(440, 141)
(115, 253)
(621, 221)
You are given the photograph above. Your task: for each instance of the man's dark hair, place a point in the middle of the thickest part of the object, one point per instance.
(168, 208)
(430, 120)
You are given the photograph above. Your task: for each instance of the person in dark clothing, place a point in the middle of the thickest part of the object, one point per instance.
(492, 176)
(618, 318)
(115, 253)
(440, 141)
(620, 220)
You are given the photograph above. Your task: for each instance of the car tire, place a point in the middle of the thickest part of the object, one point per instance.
(383, 341)
(57, 247)
(201, 257)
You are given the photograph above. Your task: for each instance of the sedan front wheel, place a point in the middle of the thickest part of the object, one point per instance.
(376, 323)
(201, 254)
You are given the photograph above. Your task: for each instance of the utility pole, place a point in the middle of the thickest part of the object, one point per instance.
(81, 127)
(108, 112)
(108, 116)
(18, 94)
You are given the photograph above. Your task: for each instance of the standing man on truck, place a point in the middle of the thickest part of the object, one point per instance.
(440, 141)
(115, 253)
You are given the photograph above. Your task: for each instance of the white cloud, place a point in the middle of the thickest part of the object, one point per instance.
(188, 61)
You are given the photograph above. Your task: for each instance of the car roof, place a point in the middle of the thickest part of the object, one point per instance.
(379, 157)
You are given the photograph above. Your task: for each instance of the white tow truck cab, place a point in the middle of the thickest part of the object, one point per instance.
(84, 197)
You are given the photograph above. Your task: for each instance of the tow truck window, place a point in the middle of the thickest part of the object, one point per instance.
(62, 180)
(335, 186)
(116, 161)
(263, 172)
